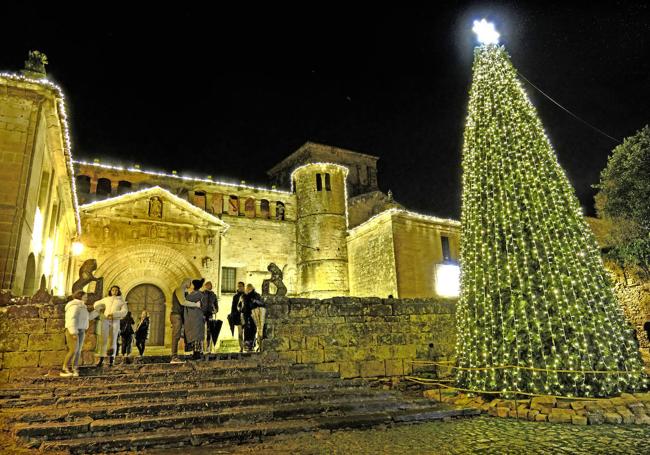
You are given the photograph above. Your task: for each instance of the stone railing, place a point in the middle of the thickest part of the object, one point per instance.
(360, 337)
(32, 341)
(357, 337)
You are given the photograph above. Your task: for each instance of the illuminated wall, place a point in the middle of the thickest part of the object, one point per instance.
(37, 215)
(396, 252)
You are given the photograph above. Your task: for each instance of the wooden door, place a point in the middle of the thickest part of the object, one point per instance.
(151, 298)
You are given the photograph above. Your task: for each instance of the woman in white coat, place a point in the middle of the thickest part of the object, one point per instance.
(76, 324)
(114, 309)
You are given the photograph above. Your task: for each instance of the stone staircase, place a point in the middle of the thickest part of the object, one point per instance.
(231, 399)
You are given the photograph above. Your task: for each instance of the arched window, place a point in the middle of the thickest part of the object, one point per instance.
(233, 206)
(319, 183)
(83, 184)
(249, 207)
(199, 199)
(265, 209)
(328, 186)
(124, 187)
(103, 187)
(30, 271)
(279, 211)
(43, 283)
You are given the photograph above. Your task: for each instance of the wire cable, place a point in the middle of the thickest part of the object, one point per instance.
(568, 111)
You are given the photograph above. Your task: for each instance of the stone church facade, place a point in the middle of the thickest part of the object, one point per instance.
(323, 220)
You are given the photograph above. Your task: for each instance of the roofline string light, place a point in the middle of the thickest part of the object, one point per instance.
(67, 144)
(396, 211)
(179, 177)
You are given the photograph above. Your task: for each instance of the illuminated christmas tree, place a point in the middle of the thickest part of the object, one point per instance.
(537, 313)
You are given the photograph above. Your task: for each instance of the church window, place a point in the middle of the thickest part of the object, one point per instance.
(83, 184)
(328, 185)
(249, 207)
(228, 279)
(265, 211)
(199, 199)
(123, 187)
(233, 206)
(103, 187)
(446, 251)
(279, 211)
(319, 183)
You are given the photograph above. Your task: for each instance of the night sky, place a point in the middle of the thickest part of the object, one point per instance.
(232, 92)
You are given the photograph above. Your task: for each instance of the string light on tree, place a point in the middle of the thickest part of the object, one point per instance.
(536, 312)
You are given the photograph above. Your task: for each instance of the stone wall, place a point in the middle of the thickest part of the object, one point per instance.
(634, 297)
(32, 339)
(360, 337)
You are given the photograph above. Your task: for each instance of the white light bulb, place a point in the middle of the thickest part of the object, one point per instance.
(485, 32)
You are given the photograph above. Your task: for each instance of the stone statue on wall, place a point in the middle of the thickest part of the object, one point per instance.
(36, 62)
(155, 207)
(86, 277)
(276, 279)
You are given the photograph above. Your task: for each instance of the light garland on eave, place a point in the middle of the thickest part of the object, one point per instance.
(345, 171)
(396, 211)
(67, 144)
(154, 190)
(534, 293)
(180, 177)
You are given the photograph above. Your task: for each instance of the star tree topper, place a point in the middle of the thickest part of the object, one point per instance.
(485, 32)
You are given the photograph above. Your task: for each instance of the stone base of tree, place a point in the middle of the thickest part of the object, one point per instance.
(627, 409)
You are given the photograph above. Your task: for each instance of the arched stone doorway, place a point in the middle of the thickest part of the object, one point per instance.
(151, 298)
(150, 263)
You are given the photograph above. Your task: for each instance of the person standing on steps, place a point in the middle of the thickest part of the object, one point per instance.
(235, 318)
(209, 306)
(252, 300)
(126, 333)
(194, 321)
(258, 313)
(176, 317)
(115, 309)
(142, 332)
(76, 324)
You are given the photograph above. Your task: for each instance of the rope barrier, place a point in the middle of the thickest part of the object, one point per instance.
(503, 367)
(425, 381)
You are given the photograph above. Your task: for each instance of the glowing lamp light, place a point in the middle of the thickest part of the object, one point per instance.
(447, 280)
(77, 248)
(485, 32)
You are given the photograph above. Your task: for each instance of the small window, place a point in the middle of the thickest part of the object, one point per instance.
(279, 211)
(328, 185)
(123, 187)
(228, 279)
(249, 207)
(319, 183)
(103, 187)
(446, 251)
(199, 199)
(83, 184)
(265, 210)
(294, 185)
(233, 206)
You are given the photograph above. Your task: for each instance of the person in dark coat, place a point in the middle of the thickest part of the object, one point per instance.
(235, 317)
(258, 313)
(209, 306)
(126, 333)
(252, 300)
(193, 319)
(142, 332)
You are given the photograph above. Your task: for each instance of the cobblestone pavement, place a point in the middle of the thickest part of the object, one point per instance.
(481, 435)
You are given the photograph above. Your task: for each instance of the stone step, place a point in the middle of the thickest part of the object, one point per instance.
(176, 375)
(184, 403)
(40, 396)
(87, 426)
(237, 432)
(179, 391)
